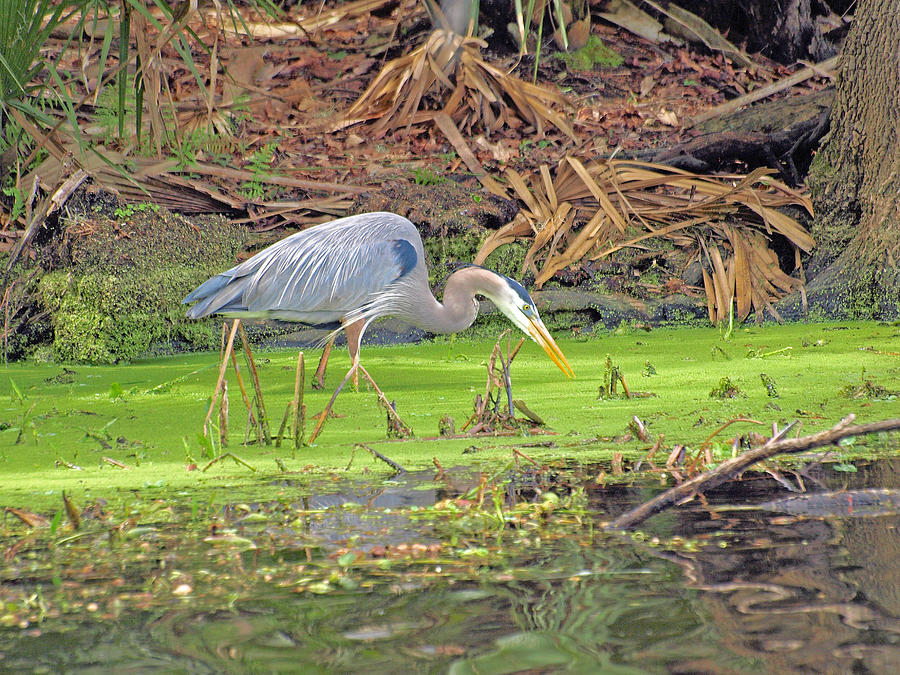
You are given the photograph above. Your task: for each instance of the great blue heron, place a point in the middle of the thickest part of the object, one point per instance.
(354, 270)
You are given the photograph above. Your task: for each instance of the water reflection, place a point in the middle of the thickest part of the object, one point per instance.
(795, 590)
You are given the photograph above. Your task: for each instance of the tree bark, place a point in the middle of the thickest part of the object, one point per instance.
(855, 178)
(784, 30)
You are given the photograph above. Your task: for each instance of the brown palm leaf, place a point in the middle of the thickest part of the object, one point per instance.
(590, 210)
(447, 74)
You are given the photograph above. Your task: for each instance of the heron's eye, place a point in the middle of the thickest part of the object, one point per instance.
(526, 308)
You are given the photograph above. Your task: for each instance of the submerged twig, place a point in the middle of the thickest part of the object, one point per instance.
(518, 453)
(732, 467)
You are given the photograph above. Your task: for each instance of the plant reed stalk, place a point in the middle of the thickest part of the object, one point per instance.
(223, 415)
(263, 418)
(229, 346)
(246, 398)
(299, 407)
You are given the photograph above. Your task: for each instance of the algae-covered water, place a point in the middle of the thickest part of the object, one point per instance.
(60, 422)
(323, 560)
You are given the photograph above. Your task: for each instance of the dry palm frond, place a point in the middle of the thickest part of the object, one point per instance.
(447, 74)
(592, 210)
(301, 27)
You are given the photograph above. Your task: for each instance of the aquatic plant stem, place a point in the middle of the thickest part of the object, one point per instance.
(229, 346)
(284, 420)
(223, 415)
(299, 407)
(254, 376)
(246, 398)
(324, 414)
(403, 429)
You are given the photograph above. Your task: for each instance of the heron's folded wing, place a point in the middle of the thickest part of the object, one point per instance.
(319, 274)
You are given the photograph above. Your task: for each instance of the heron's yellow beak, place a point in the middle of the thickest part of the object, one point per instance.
(538, 331)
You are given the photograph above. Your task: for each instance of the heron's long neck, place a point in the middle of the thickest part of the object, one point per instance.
(458, 309)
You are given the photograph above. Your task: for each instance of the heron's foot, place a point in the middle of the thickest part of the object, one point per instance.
(396, 426)
(318, 382)
(325, 413)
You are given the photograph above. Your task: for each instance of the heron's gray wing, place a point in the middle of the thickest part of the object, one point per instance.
(318, 275)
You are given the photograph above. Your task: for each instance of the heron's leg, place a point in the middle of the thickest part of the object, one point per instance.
(327, 409)
(319, 378)
(354, 335)
(402, 427)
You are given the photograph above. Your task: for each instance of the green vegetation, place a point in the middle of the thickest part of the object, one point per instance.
(147, 415)
(423, 175)
(508, 259)
(445, 253)
(102, 317)
(121, 297)
(726, 389)
(592, 55)
(25, 27)
(260, 164)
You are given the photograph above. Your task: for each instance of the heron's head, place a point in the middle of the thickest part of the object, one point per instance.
(511, 298)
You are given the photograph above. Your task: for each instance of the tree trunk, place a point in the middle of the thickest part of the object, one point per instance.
(784, 30)
(855, 178)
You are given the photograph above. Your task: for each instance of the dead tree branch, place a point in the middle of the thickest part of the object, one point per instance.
(732, 467)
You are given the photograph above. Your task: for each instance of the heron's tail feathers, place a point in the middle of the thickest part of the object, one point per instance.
(219, 294)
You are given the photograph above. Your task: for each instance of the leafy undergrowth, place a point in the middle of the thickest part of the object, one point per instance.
(108, 432)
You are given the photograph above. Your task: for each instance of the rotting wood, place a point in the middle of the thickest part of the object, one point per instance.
(732, 467)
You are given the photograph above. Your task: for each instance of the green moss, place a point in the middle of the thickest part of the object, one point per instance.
(508, 259)
(121, 297)
(594, 53)
(726, 389)
(104, 318)
(445, 253)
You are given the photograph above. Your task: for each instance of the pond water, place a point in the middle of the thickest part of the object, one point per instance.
(463, 574)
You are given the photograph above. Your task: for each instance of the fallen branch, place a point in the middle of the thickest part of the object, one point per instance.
(825, 68)
(732, 467)
(387, 460)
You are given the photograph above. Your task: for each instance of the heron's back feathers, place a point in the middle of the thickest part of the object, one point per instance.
(319, 275)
